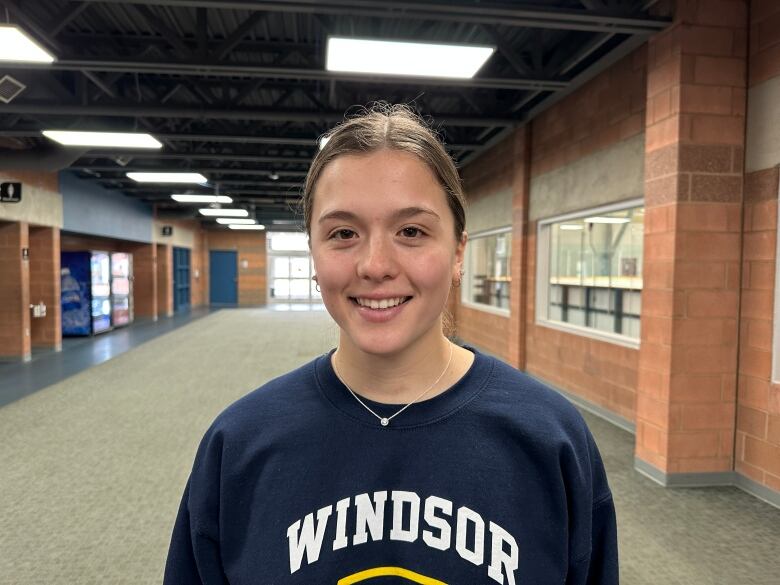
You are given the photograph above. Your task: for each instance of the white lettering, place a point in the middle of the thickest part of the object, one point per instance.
(309, 540)
(371, 516)
(465, 515)
(398, 532)
(441, 542)
(341, 540)
(499, 557)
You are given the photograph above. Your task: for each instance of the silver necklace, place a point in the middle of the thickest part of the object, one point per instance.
(385, 420)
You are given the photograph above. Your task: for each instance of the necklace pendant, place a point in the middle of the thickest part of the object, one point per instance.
(384, 421)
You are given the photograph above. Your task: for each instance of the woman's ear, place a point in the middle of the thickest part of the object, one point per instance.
(460, 250)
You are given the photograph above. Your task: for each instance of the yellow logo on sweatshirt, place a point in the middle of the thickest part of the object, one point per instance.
(389, 572)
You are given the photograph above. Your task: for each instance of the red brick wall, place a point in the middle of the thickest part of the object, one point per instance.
(764, 41)
(491, 173)
(144, 280)
(45, 286)
(250, 245)
(758, 400)
(164, 280)
(606, 110)
(14, 291)
(757, 449)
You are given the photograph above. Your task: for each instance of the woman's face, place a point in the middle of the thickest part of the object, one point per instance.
(382, 231)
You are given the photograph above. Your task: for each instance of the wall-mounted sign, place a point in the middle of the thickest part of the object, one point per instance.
(167, 230)
(10, 192)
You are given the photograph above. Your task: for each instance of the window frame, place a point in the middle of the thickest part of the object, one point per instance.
(543, 274)
(466, 284)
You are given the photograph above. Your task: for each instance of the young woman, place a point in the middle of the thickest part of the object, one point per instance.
(398, 457)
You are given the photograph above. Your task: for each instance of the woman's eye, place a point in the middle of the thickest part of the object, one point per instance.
(342, 234)
(412, 232)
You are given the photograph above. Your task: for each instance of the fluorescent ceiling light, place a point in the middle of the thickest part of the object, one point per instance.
(111, 139)
(185, 198)
(402, 58)
(213, 212)
(571, 226)
(606, 220)
(232, 220)
(258, 226)
(167, 177)
(15, 45)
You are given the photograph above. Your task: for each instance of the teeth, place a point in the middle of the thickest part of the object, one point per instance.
(383, 304)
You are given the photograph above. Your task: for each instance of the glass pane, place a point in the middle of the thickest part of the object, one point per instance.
(281, 267)
(299, 267)
(280, 289)
(299, 288)
(595, 275)
(487, 277)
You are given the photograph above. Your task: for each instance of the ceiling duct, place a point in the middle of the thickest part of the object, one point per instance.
(47, 158)
(10, 88)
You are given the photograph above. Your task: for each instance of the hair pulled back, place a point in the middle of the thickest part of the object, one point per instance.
(393, 127)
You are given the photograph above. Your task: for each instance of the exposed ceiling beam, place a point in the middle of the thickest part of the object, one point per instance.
(250, 71)
(54, 109)
(482, 13)
(200, 156)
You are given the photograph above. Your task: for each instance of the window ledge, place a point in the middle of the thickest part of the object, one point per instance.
(486, 308)
(591, 333)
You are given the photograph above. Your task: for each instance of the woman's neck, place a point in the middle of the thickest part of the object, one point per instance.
(400, 378)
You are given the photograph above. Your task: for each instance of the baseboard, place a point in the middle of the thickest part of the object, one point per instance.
(700, 480)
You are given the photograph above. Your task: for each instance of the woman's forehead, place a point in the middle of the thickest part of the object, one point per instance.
(384, 182)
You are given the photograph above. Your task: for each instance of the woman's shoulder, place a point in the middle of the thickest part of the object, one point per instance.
(526, 401)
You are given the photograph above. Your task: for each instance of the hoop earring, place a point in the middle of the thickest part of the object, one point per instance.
(316, 284)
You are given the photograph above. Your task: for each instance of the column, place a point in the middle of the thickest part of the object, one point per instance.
(165, 279)
(696, 98)
(14, 291)
(46, 332)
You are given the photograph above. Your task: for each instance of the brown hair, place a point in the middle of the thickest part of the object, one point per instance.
(394, 127)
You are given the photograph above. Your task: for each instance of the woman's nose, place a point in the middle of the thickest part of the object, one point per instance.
(377, 260)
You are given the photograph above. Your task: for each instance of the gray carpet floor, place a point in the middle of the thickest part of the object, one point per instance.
(92, 468)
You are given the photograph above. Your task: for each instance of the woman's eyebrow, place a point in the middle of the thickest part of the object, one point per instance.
(404, 213)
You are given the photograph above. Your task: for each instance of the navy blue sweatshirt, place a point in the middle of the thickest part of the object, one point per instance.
(496, 480)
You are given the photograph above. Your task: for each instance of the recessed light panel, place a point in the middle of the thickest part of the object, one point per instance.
(235, 220)
(167, 177)
(234, 226)
(403, 58)
(108, 139)
(15, 45)
(213, 212)
(186, 198)
(599, 219)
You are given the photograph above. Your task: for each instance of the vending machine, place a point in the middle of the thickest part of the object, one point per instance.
(121, 289)
(85, 292)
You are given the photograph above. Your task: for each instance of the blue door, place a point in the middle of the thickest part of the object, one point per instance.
(223, 277)
(181, 279)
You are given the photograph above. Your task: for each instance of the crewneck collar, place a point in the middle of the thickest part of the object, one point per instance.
(421, 413)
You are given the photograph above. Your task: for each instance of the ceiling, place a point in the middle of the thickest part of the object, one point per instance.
(238, 91)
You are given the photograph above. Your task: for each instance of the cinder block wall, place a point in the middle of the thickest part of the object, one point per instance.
(757, 451)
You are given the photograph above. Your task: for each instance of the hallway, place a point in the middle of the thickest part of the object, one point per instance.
(94, 465)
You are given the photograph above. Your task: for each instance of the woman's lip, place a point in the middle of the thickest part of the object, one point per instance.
(379, 315)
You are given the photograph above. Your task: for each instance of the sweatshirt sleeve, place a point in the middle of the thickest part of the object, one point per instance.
(600, 565)
(194, 556)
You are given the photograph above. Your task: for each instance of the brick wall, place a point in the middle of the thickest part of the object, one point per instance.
(606, 110)
(758, 400)
(757, 448)
(164, 280)
(14, 291)
(250, 245)
(45, 286)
